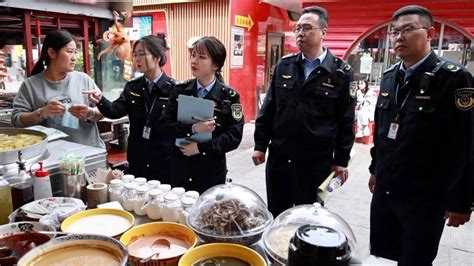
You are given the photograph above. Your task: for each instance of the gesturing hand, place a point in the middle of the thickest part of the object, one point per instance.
(53, 108)
(94, 95)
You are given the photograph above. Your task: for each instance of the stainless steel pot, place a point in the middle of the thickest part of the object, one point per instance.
(32, 151)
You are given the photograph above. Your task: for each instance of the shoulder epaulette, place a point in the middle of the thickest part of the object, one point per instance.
(229, 91)
(391, 68)
(289, 55)
(451, 67)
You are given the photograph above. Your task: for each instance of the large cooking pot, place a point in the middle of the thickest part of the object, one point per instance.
(29, 152)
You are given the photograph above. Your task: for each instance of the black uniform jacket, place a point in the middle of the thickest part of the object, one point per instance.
(432, 153)
(312, 118)
(147, 157)
(208, 168)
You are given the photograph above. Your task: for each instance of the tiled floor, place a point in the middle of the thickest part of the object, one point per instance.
(352, 201)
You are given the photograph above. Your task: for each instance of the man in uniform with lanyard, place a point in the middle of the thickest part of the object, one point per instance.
(421, 170)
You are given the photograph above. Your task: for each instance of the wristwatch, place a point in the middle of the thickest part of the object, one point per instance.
(40, 115)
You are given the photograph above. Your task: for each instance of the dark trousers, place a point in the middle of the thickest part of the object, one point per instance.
(407, 231)
(293, 182)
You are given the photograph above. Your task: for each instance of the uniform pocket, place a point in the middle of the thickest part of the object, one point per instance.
(324, 101)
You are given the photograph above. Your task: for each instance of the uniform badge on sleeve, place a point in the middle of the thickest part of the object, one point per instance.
(236, 111)
(464, 98)
(353, 89)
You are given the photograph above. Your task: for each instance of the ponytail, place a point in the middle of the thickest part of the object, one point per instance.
(219, 76)
(56, 40)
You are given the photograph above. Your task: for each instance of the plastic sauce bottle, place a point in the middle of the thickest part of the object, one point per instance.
(42, 184)
(6, 200)
(22, 188)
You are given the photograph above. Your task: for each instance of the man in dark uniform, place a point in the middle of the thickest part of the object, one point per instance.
(148, 156)
(208, 166)
(422, 155)
(307, 119)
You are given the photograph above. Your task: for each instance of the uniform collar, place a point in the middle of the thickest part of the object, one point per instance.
(208, 88)
(320, 57)
(327, 63)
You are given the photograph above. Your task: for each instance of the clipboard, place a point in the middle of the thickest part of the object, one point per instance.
(191, 110)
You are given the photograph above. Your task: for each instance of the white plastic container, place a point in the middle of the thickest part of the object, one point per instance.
(140, 181)
(128, 196)
(178, 191)
(192, 194)
(155, 205)
(127, 179)
(153, 184)
(186, 204)
(140, 199)
(115, 190)
(171, 205)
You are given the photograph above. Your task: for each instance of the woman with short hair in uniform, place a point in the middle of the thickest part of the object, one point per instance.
(199, 166)
(143, 100)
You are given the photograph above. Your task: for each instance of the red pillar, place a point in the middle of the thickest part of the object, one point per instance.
(85, 47)
(27, 40)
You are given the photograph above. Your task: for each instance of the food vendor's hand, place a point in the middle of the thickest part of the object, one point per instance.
(81, 111)
(372, 183)
(456, 219)
(205, 126)
(258, 157)
(189, 149)
(340, 171)
(94, 95)
(53, 108)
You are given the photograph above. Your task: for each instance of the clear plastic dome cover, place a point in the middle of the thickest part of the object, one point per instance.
(276, 238)
(229, 213)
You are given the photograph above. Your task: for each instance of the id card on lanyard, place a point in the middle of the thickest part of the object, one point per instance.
(395, 125)
(147, 128)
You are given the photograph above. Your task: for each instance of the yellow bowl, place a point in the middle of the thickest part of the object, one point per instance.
(159, 228)
(106, 222)
(222, 250)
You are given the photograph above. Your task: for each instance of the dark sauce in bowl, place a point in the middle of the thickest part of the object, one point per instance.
(14, 246)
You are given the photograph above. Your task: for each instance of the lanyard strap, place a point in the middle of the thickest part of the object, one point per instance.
(403, 102)
(148, 112)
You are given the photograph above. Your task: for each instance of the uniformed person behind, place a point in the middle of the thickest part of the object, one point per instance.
(422, 156)
(199, 166)
(143, 99)
(307, 119)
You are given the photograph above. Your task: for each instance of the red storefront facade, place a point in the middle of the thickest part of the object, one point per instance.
(356, 28)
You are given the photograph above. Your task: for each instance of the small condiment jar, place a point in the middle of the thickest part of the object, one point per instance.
(140, 181)
(178, 191)
(186, 204)
(128, 196)
(153, 184)
(170, 208)
(140, 199)
(127, 179)
(192, 194)
(155, 205)
(115, 190)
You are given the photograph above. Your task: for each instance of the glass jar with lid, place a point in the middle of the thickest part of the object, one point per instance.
(186, 205)
(192, 194)
(178, 191)
(140, 199)
(115, 190)
(164, 189)
(153, 184)
(128, 196)
(171, 205)
(127, 179)
(154, 207)
(140, 181)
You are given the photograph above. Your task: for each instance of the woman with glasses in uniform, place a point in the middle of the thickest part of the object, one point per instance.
(143, 99)
(199, 166)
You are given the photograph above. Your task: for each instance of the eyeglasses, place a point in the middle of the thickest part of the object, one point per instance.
(404, 32)
(139, 54)
(305, 29)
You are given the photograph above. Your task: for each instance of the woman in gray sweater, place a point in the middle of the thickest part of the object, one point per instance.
(53, 97)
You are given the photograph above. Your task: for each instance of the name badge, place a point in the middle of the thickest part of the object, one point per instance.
(146, 132)
(392, 133)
